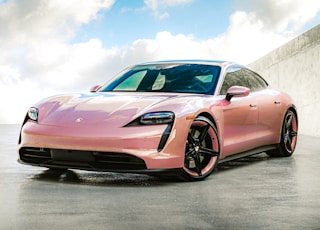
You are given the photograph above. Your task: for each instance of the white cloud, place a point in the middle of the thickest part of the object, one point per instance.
(35, 59)
(244, 41)
(35, 20)
(282, 15)
(157, 6)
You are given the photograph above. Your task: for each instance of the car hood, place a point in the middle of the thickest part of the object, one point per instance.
(112, 109)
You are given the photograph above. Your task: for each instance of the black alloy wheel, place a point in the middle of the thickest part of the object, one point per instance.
(202, 150)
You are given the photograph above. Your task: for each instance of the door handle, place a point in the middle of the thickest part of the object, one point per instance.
(253, 106)
(277, 102)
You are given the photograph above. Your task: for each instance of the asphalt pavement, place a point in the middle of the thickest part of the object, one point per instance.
(256, 192)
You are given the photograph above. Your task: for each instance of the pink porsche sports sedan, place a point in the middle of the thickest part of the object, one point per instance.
(172, 118)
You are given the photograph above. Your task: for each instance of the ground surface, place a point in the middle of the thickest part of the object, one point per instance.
(257, 192)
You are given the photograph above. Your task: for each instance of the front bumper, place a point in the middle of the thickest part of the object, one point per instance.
(125, 149)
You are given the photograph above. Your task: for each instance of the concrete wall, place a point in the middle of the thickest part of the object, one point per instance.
(295, 69)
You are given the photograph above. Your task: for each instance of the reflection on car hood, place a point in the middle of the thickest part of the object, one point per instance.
(113, 109)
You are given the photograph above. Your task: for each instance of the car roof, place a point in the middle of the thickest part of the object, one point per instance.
(195, 61)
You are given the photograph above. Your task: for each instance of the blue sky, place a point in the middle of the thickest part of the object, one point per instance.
(128, 21)
(132, 20)
(56, 46)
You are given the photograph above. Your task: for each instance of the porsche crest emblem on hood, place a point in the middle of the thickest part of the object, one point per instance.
(78, 120)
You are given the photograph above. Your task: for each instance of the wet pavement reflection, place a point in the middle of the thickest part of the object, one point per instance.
(256, 192)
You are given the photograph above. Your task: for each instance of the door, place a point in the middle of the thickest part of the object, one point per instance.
(269, 103)
(240, 116)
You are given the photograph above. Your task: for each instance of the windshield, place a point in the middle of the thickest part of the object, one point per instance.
(182, 78)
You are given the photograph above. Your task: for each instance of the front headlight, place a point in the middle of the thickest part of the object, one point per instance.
(157, 118)
(153, 118)
(33, 113)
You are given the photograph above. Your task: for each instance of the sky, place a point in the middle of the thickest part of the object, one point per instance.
(50, 47)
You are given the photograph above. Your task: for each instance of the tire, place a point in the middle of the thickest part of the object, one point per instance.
(289, 134)
(202, 150)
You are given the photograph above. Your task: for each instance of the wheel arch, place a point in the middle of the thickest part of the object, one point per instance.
(209, 116)
(214, 122)
(282, 149)
(294, 110)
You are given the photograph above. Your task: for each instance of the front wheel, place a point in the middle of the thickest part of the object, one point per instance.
(289, 133)
(202, 150)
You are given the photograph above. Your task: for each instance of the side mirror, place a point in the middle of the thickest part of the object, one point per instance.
(237, 91)
(95, 88)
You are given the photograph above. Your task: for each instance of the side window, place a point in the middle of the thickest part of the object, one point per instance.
(234, 76)
(131, 83)
(255, 82)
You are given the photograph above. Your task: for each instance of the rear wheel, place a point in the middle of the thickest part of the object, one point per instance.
(289, 133)
(202, 150)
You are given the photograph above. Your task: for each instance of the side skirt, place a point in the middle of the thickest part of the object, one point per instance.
(248, 153)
